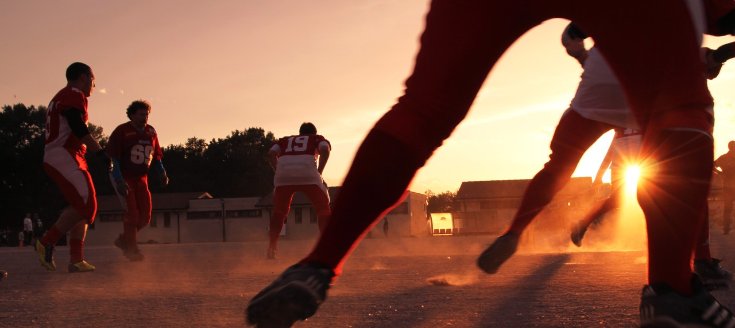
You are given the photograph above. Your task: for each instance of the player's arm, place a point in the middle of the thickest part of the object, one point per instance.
(573, 41)
(716, 58)
(80, 130)
(114, 153)
(273, 156)
(158, 162)
(324, 150)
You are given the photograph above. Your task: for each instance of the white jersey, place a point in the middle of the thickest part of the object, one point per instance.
(599, 96)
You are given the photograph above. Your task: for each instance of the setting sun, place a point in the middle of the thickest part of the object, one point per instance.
(632, 173)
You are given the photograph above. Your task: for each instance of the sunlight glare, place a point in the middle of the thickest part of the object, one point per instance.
(632, 174)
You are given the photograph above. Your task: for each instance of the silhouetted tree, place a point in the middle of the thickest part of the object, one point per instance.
(440, 203)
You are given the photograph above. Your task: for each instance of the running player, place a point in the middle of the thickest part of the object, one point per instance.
(67, 141)
(134, 148)
(295, 158)
(663, 82)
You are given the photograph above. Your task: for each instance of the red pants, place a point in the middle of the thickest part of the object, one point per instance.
(139, 202)
(69, 172)
(282, 197)
(662, 78)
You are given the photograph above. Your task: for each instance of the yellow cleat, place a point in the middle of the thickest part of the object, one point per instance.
(82, 266)
(46, 256)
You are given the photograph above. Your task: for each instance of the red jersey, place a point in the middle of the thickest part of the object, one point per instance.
(297, 159)
(135, 149)
(58, 132)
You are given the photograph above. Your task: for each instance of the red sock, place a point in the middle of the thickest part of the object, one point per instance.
(383, 167)
(51, 237)
(75, 250)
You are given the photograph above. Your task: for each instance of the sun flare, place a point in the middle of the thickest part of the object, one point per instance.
(632, 174)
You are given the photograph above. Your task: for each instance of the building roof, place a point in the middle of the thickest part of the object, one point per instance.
(514, 188)
(165, 201)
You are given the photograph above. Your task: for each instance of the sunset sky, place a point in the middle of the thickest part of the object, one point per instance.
(209, 68)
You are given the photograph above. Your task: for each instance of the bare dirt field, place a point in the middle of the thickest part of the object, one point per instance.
(385, 284)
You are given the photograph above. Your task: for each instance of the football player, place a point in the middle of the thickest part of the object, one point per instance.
(67, 141)
(134, 149)
(299, 162)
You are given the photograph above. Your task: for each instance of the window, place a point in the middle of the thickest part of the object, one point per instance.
(244, 213)
(312, 215)
(298, 215)
(203, 215)
(167, 219)
(154, 220)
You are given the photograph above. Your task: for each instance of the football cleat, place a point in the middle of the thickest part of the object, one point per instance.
(82, 266)
(293, 296)
(496, 254)
(46, 256)
(661, 307)
(713, 276)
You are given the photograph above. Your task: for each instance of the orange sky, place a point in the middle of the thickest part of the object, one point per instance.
(211, 68)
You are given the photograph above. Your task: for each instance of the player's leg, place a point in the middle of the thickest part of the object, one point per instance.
(665, 85)
(573, 136)
(461, 42)
(595, 215)
(131, 220)
(319, 198)
(75, 183)
(77, 235)
(282, 197)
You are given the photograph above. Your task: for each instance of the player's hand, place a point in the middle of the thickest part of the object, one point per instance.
(122, 187)
(712, 66)
(104, 159)
(164, 180)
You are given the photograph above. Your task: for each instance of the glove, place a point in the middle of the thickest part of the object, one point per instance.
(712, 66)
(164, 180)
(121, 187)
(104, 159)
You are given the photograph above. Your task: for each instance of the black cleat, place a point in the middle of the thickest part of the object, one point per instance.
(661, 307)
(713, 276)
(295, 295)
(496, 254)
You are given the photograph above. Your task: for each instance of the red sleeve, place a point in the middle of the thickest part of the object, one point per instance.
(157, 152)
(115, 143)
(73, 99)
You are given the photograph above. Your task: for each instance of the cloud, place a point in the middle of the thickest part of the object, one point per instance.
(122, 92)
(103, 91)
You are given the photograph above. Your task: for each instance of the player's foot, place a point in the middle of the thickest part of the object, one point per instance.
(134, 254)
(119, 243)
(271, 254)
(661, 307)
(82, 266)
(46, 256)
(578, 234)
(712, 274)
(293, 296)
(496, 254)
(3, 274)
